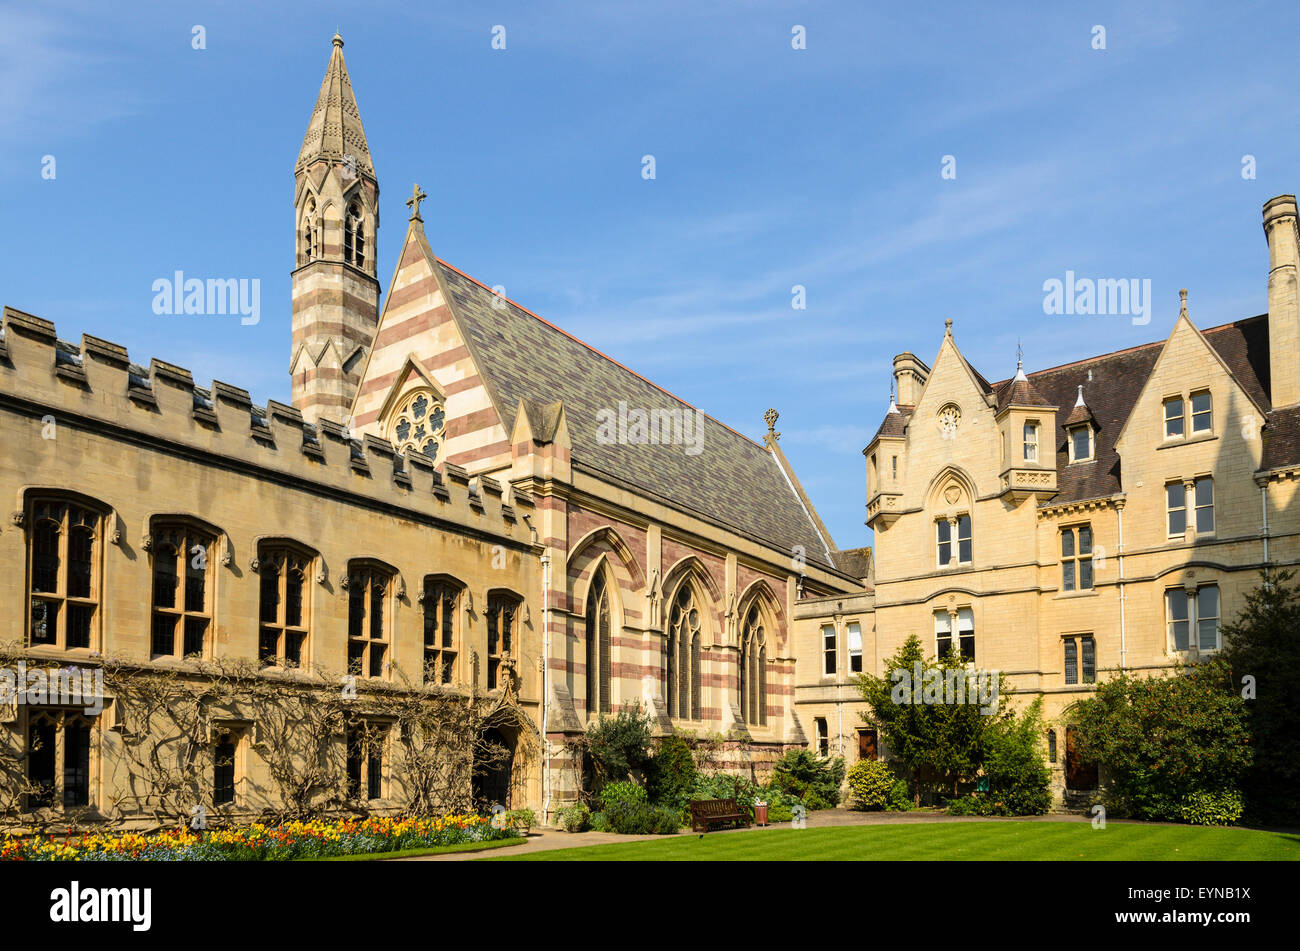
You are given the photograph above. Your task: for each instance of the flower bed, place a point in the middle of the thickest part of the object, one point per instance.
(257, 842)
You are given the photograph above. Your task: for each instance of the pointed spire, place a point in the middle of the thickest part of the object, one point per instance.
(893, 407)
(335, 130)
(1079, 401)
(1020, 363)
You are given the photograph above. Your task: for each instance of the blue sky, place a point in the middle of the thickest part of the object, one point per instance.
(775, 167)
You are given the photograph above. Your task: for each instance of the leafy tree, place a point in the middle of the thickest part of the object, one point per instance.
(814, 780)
(1018, 779)
(671, 775)
(1163, 739)
(1264, 644)
(932, 737)
(616, 745)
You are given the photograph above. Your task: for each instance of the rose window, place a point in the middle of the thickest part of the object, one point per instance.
(419, 424)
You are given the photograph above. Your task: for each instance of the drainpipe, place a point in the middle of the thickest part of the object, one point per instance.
(546, 686)
(1123, 642)
(1263, 508)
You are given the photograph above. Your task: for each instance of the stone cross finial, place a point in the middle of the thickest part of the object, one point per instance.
(413, 203)
(770, 417)
(947, 327)
(1182, 297)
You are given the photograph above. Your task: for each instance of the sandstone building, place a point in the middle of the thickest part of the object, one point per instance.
(466, 503)
(1106, 515)
(462, 498)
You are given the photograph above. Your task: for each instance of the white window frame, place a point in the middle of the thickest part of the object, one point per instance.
(855, 647)
(1194, 620)
(830, 650)
(1031, 441)
(1180, 417)
(1208, 413)
(1073, 430)
(1198, 508)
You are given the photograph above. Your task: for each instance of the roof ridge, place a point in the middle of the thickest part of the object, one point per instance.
(1132, 349)
(579, 340)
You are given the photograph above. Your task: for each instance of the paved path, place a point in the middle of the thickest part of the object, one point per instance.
(544, 840)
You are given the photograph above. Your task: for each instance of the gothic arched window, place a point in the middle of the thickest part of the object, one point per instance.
(419, 423)
(598, 646)
(311, 231)
(753, 669)
(354, 236)
(682, 654)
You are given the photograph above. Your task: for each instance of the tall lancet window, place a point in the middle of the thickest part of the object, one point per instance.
(682, 655)
(311, 231)
(598, 646)
(753, 669)
(354, 237)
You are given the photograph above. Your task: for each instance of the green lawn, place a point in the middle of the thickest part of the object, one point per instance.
(1056, 841)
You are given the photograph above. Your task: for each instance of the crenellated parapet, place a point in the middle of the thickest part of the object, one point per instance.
(96, 387)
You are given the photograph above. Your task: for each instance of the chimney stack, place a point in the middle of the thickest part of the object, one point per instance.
(1283, 300)
(909, 375)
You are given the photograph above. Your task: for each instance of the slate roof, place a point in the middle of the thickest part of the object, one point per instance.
(1117, 381)
(334, 130)
(1111, 385)
(732, 480)
(854, 561)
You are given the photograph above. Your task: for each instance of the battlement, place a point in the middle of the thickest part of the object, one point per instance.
(96, 387)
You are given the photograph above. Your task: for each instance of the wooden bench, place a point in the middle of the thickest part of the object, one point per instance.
(712, 812)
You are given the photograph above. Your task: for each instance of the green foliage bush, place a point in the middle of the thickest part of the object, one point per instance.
(628, 817)
(900, 797)
(1164, 739)
(779, 813)
(1262, 644)
(671, 774)
(1211, 808)
(614, 746)
(1018, 779)
(814, 780)
(615, 793)
(870, 781)
(599, 822)
(574, 818)
(741, 788)
(522, 818)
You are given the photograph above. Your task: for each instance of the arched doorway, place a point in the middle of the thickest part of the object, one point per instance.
(493, 768)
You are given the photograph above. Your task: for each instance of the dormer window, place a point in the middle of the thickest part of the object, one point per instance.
(1031, 442)
(1081, 443)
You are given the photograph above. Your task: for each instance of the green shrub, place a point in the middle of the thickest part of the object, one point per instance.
(869, 782)
(522, 818)
(900, 797)
(814, 780)
(779, 813)
(614, 746)
(740, 788)
(598, 822)
(671, 774)
(667, 820)
(574, 818)
(1211, 808)
(1018, 779)
(1163, 739)
(615, 793)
